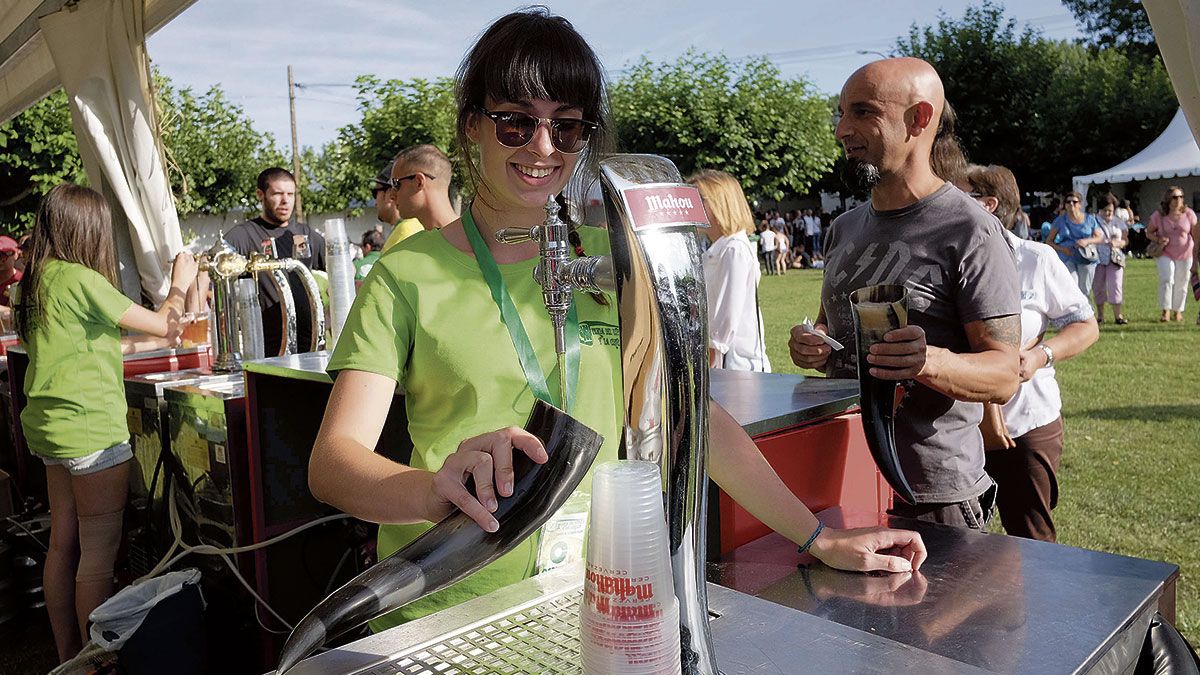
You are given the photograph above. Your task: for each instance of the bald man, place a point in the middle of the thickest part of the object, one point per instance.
(420, 189)
(960, 349)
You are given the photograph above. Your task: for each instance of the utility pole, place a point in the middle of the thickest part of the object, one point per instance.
(295, 145)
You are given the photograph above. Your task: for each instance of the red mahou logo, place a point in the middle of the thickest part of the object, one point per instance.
(650, 206)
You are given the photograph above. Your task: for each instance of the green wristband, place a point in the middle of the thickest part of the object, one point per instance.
(808, 544)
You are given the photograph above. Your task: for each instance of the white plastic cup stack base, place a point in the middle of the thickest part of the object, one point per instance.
(340, 267)
(629, 617)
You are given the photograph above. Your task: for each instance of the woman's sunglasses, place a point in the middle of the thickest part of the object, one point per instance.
(516, 129)
(1072, 201)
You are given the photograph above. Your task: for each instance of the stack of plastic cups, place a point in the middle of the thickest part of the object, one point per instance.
(339, 262)
(629, 617)
(250, 318)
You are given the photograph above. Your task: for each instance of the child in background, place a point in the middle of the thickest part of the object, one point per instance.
(68, 315)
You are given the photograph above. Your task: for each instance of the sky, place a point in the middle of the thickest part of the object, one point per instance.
(246, 46)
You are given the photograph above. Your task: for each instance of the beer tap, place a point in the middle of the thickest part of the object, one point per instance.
(225, 265)
(558, 274)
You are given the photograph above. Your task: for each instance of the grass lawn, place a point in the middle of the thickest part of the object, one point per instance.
(1130, 478)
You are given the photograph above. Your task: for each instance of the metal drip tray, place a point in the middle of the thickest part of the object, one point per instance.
(541, 638)
(532, 627)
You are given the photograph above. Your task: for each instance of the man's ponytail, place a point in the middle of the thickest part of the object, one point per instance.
(947, 159)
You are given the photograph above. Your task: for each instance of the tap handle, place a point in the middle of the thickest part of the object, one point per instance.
(516, 235)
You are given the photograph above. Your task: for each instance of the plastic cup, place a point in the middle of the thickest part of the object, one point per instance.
(629, 616)
(601, 655)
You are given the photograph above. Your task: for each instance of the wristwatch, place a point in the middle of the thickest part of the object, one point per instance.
(1049, 354)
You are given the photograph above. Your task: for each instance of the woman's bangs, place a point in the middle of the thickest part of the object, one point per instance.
(547, 71)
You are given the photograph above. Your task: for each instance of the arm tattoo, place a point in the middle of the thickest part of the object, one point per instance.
(1005, 329)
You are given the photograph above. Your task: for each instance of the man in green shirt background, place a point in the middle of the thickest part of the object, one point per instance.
(419, 182)
(372, 246)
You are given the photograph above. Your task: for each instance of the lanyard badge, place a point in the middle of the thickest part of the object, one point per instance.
(516, 329)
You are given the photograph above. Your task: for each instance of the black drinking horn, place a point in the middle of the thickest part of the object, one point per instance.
(878, 310)
(456, 546)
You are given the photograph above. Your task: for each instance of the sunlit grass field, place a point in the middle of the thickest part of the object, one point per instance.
(1130, 479)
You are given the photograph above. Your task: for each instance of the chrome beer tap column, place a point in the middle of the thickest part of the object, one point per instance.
(558, 275)
(225, 265)
(652, 220)
(656, 272)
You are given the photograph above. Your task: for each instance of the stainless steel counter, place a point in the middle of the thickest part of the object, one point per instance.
(1003, 604)
(981, 604)
(308, 366)
(767, 402)
(532, 627)
(760, 402)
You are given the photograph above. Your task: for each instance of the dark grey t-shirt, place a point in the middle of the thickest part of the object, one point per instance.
(951, 255)
(294, 240)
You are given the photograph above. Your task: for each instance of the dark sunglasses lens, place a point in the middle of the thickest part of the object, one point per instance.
(570, 136)
(515, 129)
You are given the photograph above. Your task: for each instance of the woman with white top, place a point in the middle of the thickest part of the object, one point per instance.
(1024, 437)
(1109, 284)
(731, 275)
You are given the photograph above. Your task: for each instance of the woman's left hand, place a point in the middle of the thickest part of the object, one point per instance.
(1032, 360)
(868, 549)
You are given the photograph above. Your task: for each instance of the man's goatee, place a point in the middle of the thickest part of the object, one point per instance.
(859, 175)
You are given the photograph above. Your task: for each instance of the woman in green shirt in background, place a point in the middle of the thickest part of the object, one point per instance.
(69, 318)
(531, 102)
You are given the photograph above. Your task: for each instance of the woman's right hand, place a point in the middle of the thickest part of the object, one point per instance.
(488, 460)
(183, 272)
(870, 549)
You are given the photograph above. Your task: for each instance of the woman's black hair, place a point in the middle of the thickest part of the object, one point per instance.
(533, 54)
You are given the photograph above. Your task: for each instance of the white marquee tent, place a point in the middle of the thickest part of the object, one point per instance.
(96, 51)
(1174, 154)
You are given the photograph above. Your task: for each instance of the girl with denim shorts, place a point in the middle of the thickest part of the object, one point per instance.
(69, 317)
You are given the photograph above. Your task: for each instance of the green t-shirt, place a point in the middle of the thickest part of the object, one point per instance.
(425, 318)
(75, 387)
(363, 265)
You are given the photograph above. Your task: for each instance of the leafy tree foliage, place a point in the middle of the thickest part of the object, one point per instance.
(1115, 23)
(1046, 109)
(395, 115)
(709, 112)
(214, 153)
(37, 152)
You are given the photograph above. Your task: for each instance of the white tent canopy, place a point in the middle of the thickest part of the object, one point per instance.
(1173, 154)
(96, 51)
(27, 72)
(1176, 25)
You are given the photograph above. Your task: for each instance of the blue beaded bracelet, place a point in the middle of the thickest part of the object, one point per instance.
(808, 544)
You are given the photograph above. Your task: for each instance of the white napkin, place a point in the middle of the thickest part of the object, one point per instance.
(808, 327)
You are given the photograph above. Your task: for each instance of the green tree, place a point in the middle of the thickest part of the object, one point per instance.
(709, 112)
(395, 115)
(214, 153)
(1046, 109)
(37, 152)
(1115, 23)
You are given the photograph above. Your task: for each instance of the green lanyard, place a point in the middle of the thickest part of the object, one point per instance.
(516, 329)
